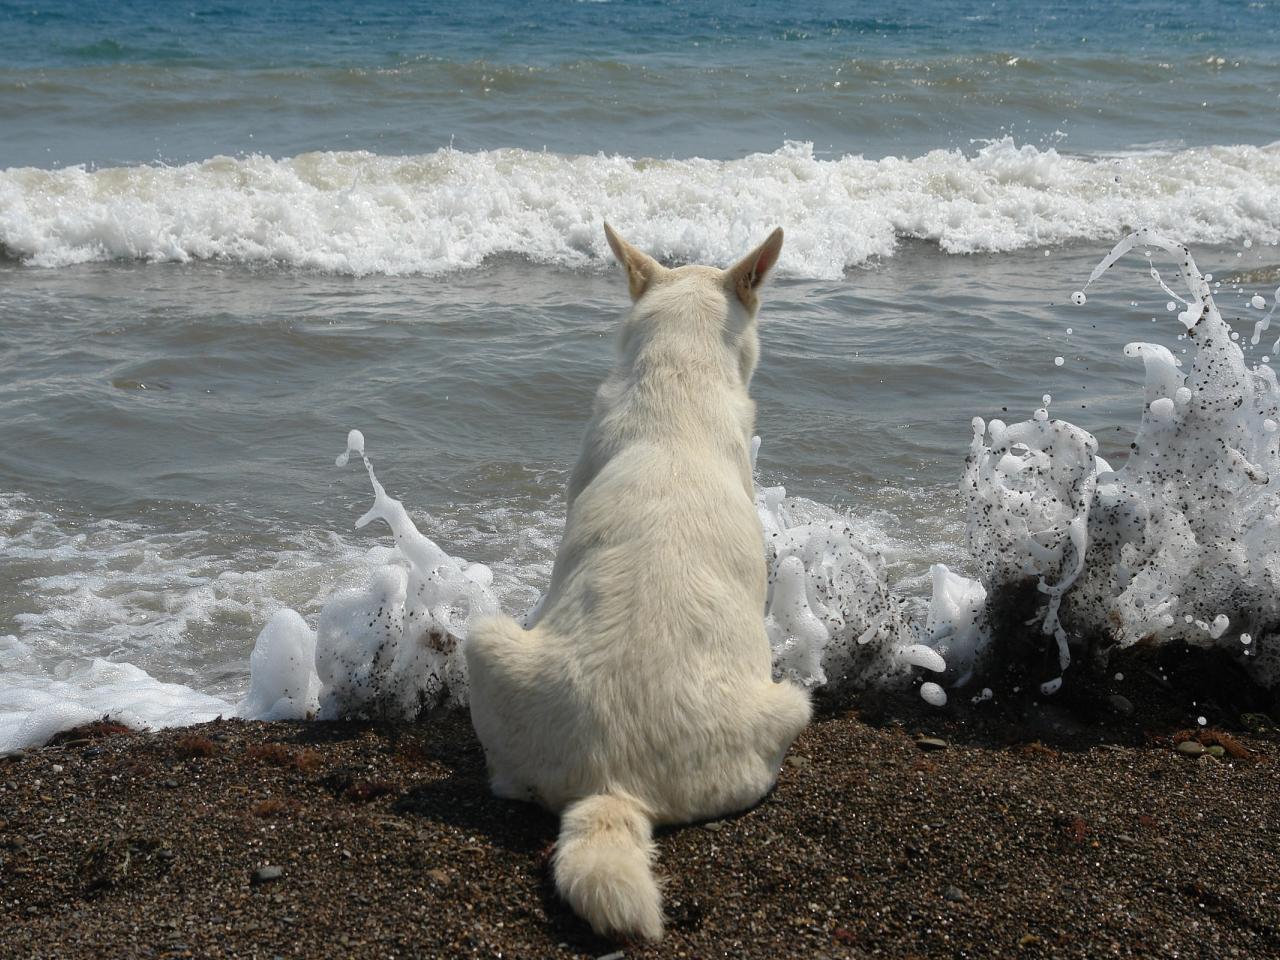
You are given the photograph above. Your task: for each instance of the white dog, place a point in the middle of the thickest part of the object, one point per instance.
(643, 692)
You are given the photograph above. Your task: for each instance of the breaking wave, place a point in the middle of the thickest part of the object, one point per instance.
(360, 213)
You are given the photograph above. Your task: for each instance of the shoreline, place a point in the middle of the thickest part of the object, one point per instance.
(302, 839)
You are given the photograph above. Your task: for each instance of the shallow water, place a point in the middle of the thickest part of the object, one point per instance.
(168, 470)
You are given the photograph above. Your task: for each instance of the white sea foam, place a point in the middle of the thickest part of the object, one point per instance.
(34, 706)
(121, 590)
(151, 628)
(1179, 544)
(360, 213)
(390, 646)
(832, 618)
(115, 618)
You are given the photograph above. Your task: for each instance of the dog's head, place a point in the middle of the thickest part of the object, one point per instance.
(696, 303)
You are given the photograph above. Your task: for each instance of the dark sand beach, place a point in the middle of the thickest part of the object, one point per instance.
(1030, 833)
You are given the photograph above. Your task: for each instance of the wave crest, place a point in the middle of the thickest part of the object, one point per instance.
(360, 213)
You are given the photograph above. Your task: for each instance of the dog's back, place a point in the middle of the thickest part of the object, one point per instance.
(643, 692)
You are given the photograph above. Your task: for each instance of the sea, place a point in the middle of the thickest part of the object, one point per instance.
(231, 232)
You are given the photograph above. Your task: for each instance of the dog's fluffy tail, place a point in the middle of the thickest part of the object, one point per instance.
(602, 866)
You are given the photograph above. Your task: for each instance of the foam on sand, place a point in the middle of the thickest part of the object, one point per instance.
(34, 706)
(360, 213)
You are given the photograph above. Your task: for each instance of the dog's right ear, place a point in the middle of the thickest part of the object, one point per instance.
(641, 268)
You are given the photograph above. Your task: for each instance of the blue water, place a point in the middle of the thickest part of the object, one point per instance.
(127, 82)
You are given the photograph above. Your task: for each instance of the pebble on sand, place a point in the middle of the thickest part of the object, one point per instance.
(266, 874)
(1120, 705)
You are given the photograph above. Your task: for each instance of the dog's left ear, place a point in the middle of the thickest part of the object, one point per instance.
(751, 270)
(641, 268)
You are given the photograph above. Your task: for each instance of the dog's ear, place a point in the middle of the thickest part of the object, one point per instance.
(641, 268)
(751, 270)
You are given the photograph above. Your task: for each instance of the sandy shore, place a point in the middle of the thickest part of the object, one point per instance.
(334, 840)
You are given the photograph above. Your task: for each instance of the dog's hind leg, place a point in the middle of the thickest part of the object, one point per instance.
(786, 712)
(502, 665)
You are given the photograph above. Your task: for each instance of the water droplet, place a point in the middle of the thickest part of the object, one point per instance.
(1202, 721)
(1078, 297)
(1058, 361)
(933, 694)
(1047, 399)
(1258, 303)
(1068, 331)
(1171, 306)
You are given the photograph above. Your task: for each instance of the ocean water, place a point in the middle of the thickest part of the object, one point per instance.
(231, 232)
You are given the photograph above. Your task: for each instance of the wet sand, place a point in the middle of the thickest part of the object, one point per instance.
(237, 839)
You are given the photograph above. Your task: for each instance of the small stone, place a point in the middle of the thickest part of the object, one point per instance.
(797, 763)
(1190, 748)
(714, 826)
(954, 894)
(931, 743)
(1028, 940)
(1217, 750)
(56, 768)
(616, 955)
(1120, 704)
(267, 874)
(171, 784)
(438, 875)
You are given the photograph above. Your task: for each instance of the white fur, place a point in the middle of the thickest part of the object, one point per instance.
(643, 692)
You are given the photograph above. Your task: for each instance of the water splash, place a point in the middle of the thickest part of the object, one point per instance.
(831, 619)
(1178, 545)
(391, 647)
